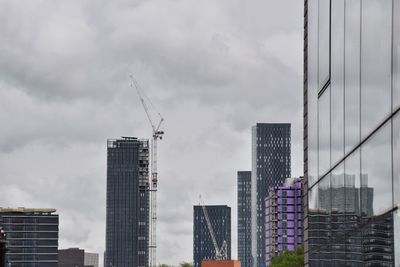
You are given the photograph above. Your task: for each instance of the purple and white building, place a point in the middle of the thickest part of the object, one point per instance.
(283, 218)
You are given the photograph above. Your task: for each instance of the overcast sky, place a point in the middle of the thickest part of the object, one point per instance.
(213, 68)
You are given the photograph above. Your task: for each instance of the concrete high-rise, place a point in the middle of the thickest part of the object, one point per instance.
(244, 217)
(220, 218)
(32, 237)
(271, 164)
(127, 214)
(352, 132)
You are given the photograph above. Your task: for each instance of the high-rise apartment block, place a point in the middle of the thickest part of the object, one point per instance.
(127, 216)
(220, 218)
(284, 218)
(244, 217)
(352, 132)
(271, 148)
(32, 237)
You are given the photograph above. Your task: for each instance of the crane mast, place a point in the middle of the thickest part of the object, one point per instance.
(220, 253)
(156, 135)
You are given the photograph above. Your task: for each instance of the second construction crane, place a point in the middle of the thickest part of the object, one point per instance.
(157, 134)
(221, 253)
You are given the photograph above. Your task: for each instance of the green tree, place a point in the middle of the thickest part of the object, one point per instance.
(288, 259)
(163, 265)
(185, 264)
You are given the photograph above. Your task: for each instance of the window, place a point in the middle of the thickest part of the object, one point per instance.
(376, 49)
(352, 74)
(324, 132)
(323, 42)
(376, 173)
(337, 81)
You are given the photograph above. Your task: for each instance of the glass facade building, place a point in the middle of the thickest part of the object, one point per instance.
(352, 132)
(32, 237)
(220, 218)
(284, 218)
(127, 211)
(271, 159)
(244, 217)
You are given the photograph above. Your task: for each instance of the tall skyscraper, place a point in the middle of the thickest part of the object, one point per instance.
(244, 217)
(284, 218)
(32, 237)
(352, 132)
(271, 145)
(127, 216)
(220, 218)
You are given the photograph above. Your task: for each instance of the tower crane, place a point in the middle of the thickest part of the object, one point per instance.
(220, 253)
(157, 134)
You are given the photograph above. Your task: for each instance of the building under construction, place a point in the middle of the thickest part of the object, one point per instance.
(220, 220)
(127, 217)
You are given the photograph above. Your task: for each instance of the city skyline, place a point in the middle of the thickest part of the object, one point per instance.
(216, 68)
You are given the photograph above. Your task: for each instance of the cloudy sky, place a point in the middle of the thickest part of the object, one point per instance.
(213, 68)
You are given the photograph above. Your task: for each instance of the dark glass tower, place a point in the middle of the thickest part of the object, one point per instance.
(32, 237)
(220, 218)
(271, 148)
(352, 132)
(244, 217)
(127, 222)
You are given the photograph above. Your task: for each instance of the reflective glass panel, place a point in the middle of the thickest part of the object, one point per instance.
(376, 173)
(312, 91)
(324, 128)
(313, 218)
(396, 218)
(396, 55)
(352, 74)
(323, 48)
(353, 242)
(396, 159)
(338, 217)
(324, 194)
(313, 198)
(337, 189)
(324, 219)
(337, 82)
(352, 182)
(376, 64)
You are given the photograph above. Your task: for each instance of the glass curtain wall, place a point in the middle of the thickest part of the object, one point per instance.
(352, 132)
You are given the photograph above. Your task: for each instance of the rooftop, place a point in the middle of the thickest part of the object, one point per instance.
(27, 210)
